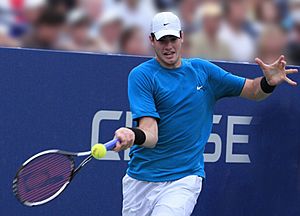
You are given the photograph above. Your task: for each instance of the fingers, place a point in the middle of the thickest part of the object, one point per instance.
(118, 147)
(261, 63)
(282, 64)
(291, 71)
(277, 71)
(126, 137)
(279, 60)
(289, 81)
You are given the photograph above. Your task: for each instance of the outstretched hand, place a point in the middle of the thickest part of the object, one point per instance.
(276, 73)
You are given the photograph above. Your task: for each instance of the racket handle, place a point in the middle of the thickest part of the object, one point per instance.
(111, 144)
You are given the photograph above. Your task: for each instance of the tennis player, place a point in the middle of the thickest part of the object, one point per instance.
(172, 101)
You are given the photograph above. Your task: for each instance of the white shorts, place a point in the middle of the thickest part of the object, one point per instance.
(173, 198)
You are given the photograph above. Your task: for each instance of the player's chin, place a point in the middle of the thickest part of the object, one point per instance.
(170, 59)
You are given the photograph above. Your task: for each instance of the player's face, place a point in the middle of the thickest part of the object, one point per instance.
(168, 50)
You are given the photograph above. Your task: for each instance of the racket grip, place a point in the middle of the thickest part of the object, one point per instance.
(111, 144)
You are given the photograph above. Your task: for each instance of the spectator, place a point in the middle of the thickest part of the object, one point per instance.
(62, 6)
(241, 44)
(46, 31)
(132, 42)
(111, 27)
(78, 38)
(32, 11)
(6, 20)
(94, 9)
(236, 31)
(294, 38)
(267, 13)
(272, 43)
(19, 15)
(165, 5)
(7, 41)
(137, 13)
(206, 43)
(187, 10)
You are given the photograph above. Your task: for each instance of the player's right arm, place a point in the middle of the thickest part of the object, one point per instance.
(127, 136)
(149, 126)
(144, 113)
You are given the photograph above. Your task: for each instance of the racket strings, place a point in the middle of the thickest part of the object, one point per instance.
(43, 177)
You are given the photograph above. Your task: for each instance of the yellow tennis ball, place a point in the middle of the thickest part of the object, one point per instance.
(98, 151)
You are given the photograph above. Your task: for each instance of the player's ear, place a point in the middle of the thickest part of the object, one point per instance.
(181, 36)
(151, 38)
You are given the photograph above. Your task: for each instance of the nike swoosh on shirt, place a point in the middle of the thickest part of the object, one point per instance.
(199, 88)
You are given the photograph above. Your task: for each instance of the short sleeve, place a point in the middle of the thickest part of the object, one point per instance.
(140, 94)
(223, 83)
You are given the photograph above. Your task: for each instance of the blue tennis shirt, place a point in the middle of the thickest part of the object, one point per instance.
(182, 100)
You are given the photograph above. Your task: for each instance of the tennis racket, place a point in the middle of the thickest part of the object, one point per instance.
(45, 175)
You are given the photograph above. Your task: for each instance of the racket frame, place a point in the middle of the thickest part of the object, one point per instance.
(109, 146)
(74, 171)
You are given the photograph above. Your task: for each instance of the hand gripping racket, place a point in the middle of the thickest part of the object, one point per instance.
(45, 175)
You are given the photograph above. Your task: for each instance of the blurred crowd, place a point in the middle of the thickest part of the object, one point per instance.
(229, 30)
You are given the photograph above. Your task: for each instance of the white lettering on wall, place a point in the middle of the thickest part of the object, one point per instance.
(214, 138)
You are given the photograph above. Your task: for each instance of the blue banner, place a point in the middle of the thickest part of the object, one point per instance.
(68, 101)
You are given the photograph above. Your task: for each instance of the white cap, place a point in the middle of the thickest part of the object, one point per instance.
(165, 23)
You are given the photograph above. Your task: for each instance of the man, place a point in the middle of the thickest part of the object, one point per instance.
(233, 29)
(206, 43)
(172, 101)
(46, 31)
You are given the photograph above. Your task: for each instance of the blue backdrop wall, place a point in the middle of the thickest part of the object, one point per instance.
(72, 100)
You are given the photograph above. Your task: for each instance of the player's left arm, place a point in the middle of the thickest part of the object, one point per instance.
(274, 74)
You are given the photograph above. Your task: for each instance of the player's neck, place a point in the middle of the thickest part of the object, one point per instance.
(175, 65)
